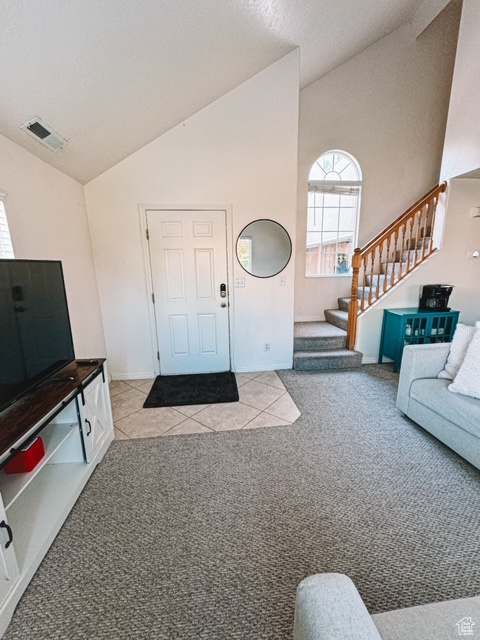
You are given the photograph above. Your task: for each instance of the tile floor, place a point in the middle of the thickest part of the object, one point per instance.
(264, 402)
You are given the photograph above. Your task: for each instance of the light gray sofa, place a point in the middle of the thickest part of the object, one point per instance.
(329, 607)
(452, 418)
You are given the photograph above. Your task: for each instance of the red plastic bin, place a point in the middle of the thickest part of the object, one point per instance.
(27, 458)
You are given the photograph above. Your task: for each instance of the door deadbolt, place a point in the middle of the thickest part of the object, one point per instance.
(223, 290)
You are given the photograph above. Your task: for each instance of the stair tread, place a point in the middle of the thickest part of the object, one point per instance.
(328, 353)
(344, 304)
(326, 360)
(337, 317)
(337, 312)
(320, 329)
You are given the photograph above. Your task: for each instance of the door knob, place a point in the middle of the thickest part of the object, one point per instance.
(223, 305)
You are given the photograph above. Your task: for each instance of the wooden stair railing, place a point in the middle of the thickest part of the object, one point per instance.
(394, 253)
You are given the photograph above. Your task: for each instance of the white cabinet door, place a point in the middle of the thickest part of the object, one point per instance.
(9, 572)
(96, 415)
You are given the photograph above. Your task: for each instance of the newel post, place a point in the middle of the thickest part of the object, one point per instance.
(353, 309)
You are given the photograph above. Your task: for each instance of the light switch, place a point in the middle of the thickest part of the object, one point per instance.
(239, 282)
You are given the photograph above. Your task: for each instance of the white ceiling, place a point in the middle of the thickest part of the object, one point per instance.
(112, 75)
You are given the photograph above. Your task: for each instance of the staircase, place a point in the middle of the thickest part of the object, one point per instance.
(321, 346)
(394, 253)
(377, 268)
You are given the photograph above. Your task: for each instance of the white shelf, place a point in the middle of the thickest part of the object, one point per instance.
(47, 502)
(53, 436)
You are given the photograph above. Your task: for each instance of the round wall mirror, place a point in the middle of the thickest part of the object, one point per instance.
(264, 248)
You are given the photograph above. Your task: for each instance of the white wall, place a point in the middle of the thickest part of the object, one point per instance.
(240, 151)
(462, 139)
(387, 106)
(449, 266)
(47, 220)
(461, 233)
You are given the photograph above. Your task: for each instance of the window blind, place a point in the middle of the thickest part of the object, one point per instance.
(335, 189)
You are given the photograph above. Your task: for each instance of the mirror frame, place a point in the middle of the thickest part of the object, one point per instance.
(289, 242)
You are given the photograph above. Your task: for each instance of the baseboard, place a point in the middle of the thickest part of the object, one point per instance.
(273, 367)
(244, 369)
(309, 319)
(131, 376)
(374, 360)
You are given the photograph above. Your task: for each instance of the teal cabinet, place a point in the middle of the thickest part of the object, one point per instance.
(413, 326)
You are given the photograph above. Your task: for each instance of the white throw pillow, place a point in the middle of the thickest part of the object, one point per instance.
(458, 348)
(467, 380)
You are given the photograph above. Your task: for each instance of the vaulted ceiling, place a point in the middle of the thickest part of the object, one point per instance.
(112, 75)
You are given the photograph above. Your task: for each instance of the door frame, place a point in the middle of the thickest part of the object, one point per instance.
(227, 208)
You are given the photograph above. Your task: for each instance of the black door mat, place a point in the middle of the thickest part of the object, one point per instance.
(198, 388)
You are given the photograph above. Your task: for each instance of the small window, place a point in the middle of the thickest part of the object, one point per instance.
(6, 249)
(334, 187)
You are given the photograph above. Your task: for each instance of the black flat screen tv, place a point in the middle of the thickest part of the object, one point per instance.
(35, 332)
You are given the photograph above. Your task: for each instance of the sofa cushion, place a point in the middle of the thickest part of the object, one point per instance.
(458, 348)
(438, 621)
(467, 380)
(458, 409)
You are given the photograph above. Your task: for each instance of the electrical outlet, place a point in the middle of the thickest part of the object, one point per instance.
(266, 346)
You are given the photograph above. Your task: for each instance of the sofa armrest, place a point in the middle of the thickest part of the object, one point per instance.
(419, 361)
(329, 607)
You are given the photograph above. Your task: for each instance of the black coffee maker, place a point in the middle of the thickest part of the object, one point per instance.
(434, 297)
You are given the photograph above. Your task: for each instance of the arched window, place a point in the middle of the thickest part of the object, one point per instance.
(334, 186)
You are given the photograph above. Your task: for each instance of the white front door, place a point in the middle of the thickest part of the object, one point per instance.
(188, 259)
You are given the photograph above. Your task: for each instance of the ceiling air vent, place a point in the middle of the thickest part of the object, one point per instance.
(42, 132)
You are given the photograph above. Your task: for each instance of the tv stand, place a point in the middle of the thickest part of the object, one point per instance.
(74, 419)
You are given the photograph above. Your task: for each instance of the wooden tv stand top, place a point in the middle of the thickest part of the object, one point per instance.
(41, 403)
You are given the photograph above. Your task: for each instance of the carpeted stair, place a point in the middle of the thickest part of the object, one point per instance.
(320, 346)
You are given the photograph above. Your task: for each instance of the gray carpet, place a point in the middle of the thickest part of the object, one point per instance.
(207, 536)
